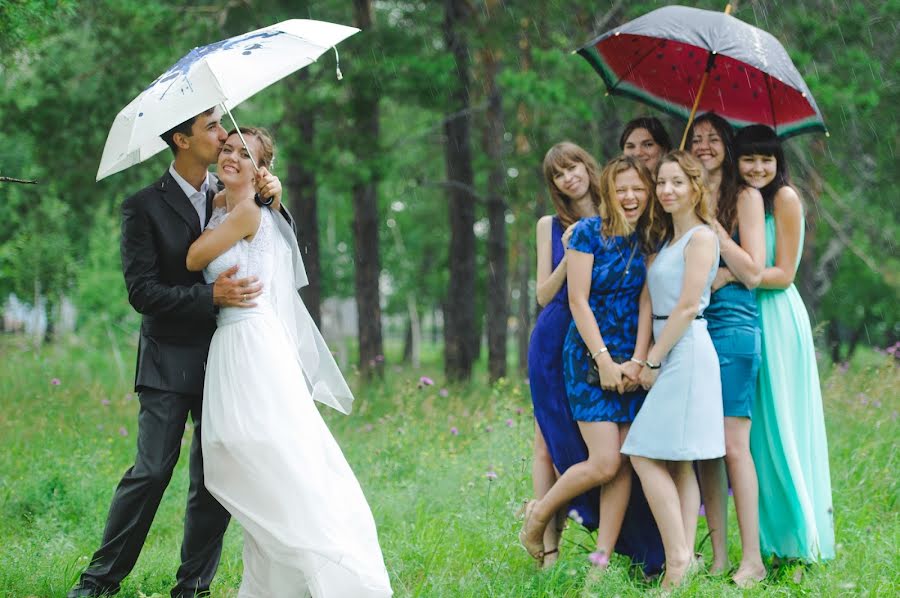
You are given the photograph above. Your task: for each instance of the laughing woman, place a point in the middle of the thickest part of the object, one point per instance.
(788, 435)
(605, 275)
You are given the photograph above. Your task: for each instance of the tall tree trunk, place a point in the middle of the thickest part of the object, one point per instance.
(524, 316)
(302, 193)
(365, 214)
(498, 251)
(460, 331)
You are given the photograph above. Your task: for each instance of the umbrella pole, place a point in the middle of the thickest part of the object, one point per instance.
(712, 58)
(709, 65)
(241, 135)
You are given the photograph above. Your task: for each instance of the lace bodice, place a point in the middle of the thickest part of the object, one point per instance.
(254, 258)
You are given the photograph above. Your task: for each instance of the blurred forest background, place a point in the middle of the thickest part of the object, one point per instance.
(416, 179)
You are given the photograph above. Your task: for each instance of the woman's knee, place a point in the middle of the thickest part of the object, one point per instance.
(605, 467)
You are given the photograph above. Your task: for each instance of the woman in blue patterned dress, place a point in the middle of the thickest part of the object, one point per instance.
(605, 276)
(734, 329)
(557, 441)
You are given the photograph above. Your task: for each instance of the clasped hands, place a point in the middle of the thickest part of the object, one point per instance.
(621, 377)
(624, 377)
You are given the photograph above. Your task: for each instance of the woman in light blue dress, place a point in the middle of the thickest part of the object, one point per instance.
(787, 439)
(681, 420)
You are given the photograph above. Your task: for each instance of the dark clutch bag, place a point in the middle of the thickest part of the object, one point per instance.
(593, 374)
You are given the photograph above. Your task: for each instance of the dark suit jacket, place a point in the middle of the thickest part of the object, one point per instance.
(158, 226)
(159, 223)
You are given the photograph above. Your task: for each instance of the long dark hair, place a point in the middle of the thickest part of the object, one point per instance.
(762, 140)
(653, 126)
(731, 185)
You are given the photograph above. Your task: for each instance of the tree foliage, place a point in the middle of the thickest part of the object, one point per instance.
(66, 69)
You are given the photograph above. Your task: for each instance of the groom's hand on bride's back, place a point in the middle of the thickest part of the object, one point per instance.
(229, 291)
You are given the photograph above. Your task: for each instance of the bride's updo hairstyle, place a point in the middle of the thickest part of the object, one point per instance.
(266, 155)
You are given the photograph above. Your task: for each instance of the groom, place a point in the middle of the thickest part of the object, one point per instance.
(178, 310)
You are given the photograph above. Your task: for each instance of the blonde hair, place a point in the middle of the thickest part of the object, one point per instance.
(564, 155)
(696, 176)
(615, 223)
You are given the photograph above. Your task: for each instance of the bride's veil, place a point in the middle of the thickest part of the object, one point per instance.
(323, 377)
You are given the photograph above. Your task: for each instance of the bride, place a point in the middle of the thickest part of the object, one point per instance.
(268, 456)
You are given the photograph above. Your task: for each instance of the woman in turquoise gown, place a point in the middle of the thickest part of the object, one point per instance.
(787, 438)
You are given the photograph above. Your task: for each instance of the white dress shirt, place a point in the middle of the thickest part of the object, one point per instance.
(197, 198)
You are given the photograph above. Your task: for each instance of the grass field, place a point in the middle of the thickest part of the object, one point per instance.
(444, 467)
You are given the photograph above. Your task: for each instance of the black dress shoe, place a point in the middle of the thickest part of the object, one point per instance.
(87, 589)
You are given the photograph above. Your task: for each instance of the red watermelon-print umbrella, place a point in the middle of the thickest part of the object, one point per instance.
(682, 60)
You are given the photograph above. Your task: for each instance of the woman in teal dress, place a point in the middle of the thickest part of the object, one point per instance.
(788, 435)
(733, 324)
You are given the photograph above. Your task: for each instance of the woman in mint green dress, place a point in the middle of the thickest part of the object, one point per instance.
(788, 435)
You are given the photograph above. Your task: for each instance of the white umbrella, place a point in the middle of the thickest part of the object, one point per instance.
(224, 73)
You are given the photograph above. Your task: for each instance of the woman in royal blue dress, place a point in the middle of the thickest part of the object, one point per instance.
(733, 325)
(557, 441)
(605, 276)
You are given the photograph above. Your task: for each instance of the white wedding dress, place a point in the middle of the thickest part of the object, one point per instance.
(268, 456)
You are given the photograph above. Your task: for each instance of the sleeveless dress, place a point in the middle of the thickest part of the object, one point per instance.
(615, 302)
(268, 456)
(733, 323)
(787, 438)
(639, 537)
(548, 387)
(682, 416)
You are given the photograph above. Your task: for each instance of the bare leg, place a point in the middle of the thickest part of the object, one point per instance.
(662, 495)
(714, 485)
(543, 476)
(742, 472)
(614, 502)
(689, 497)
(602, 464)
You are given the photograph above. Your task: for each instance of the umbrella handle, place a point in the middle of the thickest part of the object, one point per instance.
(241, 135)
(709, 65)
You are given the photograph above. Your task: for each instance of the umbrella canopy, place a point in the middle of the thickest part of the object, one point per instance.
(663, 57)
(224, 73)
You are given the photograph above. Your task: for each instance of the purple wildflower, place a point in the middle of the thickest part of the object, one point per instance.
(519, 411)
(55, 381)
(599, 558)
(489, 428)
(510, 423)
(123, 431)
(369, 427)
(105, 402)
(444, 392)
(454, 431)
(491, 475)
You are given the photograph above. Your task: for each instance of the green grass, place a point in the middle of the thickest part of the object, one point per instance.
(446, 529)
